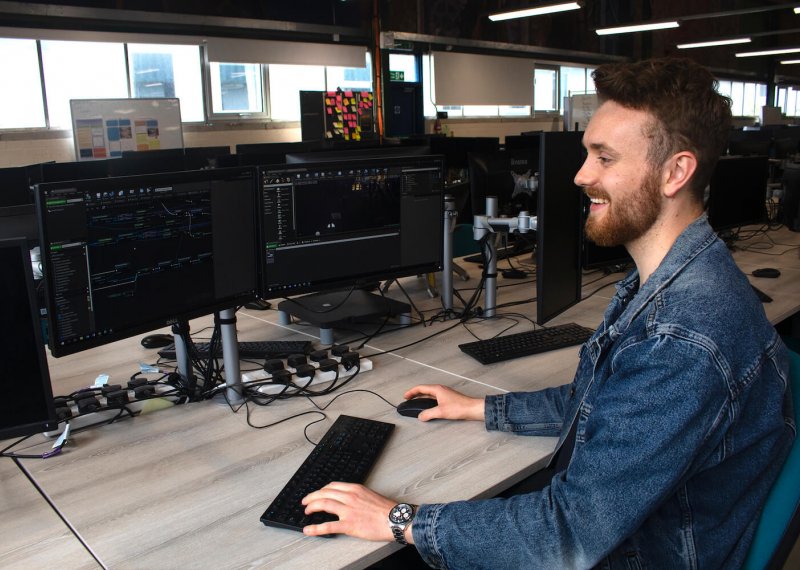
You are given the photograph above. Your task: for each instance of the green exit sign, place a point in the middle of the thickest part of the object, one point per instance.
(397, 76)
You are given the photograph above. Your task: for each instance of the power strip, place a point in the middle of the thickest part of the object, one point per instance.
(106, 414)
(364, 365)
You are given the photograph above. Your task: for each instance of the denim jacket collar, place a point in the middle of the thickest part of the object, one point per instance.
(694, 239)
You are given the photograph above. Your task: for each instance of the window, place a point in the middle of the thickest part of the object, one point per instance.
(236, 88)
(576, 81)
(514, 110)
(545, 84)
(403, 64)
(285, 84)
(168, 71)
(355, 78)
(81, 70)
(747, 99)
(21, 104)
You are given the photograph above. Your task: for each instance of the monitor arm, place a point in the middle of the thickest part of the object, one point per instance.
(482, 226)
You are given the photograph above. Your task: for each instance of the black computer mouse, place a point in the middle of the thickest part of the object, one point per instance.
(157, 340)
(766, 272)
(412, 408)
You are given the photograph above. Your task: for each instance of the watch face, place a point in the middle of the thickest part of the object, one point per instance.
(401, 514)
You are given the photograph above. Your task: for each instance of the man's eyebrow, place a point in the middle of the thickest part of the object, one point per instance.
(600, 147)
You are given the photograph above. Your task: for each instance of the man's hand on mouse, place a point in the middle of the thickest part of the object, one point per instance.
(362, 513)
(451, 405)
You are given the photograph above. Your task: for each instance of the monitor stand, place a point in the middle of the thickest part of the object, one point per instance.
(326, 310)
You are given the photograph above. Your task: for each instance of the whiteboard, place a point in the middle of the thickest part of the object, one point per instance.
(105, 128)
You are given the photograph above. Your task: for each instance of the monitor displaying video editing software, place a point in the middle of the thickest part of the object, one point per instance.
(126, 255)
(349, 224)
(27, 403)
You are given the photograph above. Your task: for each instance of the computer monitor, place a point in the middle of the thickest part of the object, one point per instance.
(147, 162)
(15, 187)
(126, 255)
(17, 217)
(559, 224)
(456, 150)
(27, 403)
(59, 171)
(738, 192)
(336, 225)
(258, 154)
(346, 155)
(198, 157)
(750, 142)
(510, 175)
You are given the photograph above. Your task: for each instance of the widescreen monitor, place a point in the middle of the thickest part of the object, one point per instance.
(456, 149)
(559, 224)
(82, 170)
(348, 155)
(27, 403)
(511, 176)
(750, 142)
(343, 225)
(15, 186)
(737, 192)
(258, 154)
(126, 255)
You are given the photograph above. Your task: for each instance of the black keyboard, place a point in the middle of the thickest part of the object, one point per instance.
(526, 343)
(250, 349)
(346, 453)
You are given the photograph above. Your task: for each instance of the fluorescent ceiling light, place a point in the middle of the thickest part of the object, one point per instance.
(790, 61)
(797, 10)
(767, 52)
(637, 28)
(714, 43)
(551, 9)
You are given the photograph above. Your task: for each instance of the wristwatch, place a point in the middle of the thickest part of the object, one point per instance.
(400, 517)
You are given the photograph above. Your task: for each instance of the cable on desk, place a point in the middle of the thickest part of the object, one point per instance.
(49, 501)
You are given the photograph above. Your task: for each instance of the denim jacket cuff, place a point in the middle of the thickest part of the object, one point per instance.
(494, 411)
(424, 531)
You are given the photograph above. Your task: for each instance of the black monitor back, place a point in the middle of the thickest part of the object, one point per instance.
(456, 149)
(750, 143)
(508, 175)
(737, 192)
(790, 202)
(559, 227)
(27, 403)
(198, 157)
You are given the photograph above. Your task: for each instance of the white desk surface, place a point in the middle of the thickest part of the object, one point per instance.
(185, 487)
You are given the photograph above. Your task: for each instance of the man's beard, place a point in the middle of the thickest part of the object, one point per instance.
(627, 217)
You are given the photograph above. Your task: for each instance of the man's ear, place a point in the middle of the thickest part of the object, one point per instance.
(678, 171)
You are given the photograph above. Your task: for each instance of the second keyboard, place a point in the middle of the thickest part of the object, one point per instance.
(526, 343)
(347, 452)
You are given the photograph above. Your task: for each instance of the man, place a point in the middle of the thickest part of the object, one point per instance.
(673, 429)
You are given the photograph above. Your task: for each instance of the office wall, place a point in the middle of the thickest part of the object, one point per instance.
(496, 127)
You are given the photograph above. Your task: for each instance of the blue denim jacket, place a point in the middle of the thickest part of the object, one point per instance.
(683, 418)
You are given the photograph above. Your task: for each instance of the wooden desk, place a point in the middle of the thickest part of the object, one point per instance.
(185, 487)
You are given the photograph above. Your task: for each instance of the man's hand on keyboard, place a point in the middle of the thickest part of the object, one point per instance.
(451, 405)
(362, 513)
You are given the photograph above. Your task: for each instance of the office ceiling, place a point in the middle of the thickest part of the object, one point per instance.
(769, 23)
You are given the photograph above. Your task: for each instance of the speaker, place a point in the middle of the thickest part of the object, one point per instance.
(790, 203)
